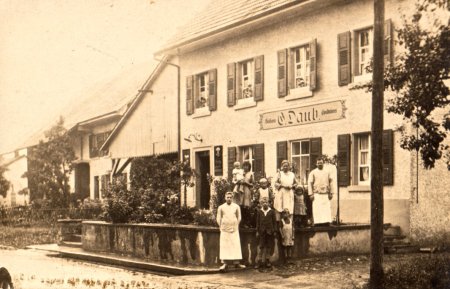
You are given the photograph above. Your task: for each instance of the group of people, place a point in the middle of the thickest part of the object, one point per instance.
(276, 212)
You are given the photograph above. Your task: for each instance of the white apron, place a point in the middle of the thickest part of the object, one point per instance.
(230, 243)
(321, 209)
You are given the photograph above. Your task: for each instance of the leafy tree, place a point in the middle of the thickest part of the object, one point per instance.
(4, 183)
(50, 164)
(417, 78)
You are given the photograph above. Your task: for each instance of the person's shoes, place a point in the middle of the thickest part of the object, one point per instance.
(268, 264)
(223, 267)
(240, 266)
(258, 265)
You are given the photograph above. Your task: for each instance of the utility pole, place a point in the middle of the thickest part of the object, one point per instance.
(376, 183)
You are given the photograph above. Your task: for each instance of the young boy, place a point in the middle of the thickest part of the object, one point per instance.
(266, 226)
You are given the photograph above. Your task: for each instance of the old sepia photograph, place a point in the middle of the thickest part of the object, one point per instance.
(224, 144)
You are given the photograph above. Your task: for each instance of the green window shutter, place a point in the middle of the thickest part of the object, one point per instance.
(388, 42)
(189, 95)
(315, 150)
(231, 84)
(258, 170)
(343, 159)
(313, 65)
(344, 58)
(388, 157)
(231, 160)
(259, 78)
(212, 89)
(282, 72)
(282, 153)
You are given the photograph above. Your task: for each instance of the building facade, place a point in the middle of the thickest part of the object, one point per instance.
(275, 80)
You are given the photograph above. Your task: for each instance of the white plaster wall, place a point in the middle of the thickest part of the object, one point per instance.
(230, 127)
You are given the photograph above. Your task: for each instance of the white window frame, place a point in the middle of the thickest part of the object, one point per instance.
(251, 157)
(302, 179)
(363, 63)
(203, 90)
(302, 67)
(359, 158)
(303, 52)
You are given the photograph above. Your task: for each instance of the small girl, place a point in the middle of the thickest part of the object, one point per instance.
(300, 217)
(287, 234)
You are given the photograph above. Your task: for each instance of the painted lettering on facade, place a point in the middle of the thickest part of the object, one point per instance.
(303, 115)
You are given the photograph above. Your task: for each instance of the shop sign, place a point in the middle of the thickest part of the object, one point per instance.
(218, 160)
(320, 112)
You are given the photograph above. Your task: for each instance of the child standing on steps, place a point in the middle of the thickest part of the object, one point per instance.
(287, 235)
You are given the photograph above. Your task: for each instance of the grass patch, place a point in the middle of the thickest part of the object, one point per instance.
(424, 272)
(20, 237)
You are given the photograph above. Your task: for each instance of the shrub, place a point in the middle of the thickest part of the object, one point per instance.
(204, 218)
(120, 203)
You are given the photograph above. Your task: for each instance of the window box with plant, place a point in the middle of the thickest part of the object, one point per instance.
(245, 83)
(201, 93)
(297, 71)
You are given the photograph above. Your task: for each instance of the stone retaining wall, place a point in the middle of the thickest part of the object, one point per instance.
(196, 245)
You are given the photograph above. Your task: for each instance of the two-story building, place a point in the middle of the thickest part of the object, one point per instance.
(263, 81)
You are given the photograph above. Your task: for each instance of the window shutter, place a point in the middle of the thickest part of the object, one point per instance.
(258, 170)
(282, 72)
(343, 159)
(315, 150)
(344, 58)
(259, 78)
(388, 41)
(189, 95)
(231, 84)
(231, 160)
(212, 89)
(313, 65)
(388, 157)
(281, 152)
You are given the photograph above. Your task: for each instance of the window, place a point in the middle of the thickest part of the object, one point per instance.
(95, 143)
(246, 89)
(201, 97)
(301, 66)
(247, 155)
(202, 93)
(96, 188)
(245, 82)
(300, 159)
(105, 182)
(297, 71)
(363, 161)
(365, 43)
(254, 154)
(355, 53)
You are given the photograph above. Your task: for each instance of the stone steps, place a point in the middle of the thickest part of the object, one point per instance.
(395, 242)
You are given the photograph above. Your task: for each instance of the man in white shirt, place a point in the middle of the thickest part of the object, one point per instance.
(320, 192)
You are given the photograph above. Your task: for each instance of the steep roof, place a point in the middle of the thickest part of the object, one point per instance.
(225, 14)
(105, 98)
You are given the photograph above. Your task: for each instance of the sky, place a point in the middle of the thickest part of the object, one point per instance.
(52, 52)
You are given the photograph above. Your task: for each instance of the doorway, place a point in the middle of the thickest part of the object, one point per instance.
(82, 180)
(203, 192)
